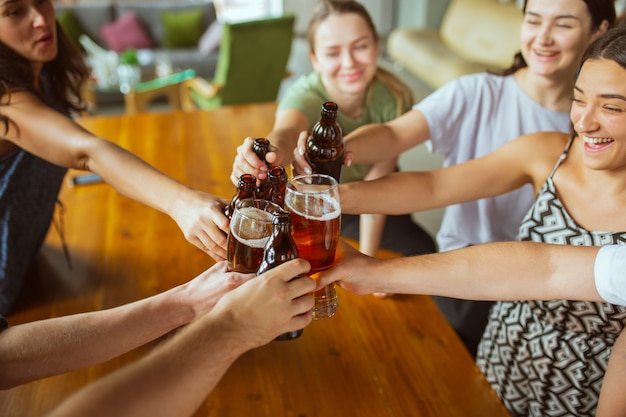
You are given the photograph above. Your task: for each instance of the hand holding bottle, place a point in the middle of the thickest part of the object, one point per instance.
(247, 162)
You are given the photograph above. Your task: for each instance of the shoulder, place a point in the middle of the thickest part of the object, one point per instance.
(305, 94)
(539, 151)
(307, 83)
(382, 105)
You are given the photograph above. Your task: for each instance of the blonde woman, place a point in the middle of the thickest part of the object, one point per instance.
(344, 49)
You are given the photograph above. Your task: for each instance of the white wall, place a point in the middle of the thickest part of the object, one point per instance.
(382, 12)
(420, 13)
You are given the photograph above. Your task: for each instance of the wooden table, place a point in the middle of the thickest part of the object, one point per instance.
(377, 357)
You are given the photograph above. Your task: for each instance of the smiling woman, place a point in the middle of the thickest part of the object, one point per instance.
(477, 114)
(344, 49)
(531, 351)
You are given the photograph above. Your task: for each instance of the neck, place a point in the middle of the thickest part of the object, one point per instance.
(550, 92)
(37, 68)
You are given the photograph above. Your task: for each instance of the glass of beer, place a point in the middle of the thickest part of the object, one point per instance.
(250, 228)
(313, 201)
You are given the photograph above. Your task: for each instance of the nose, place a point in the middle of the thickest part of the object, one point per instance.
(39, 19)
(347, 60)
(544, 34)
(584, 120)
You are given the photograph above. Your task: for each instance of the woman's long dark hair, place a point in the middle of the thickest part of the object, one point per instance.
(610, 46)
(599, 10)
(67, 73)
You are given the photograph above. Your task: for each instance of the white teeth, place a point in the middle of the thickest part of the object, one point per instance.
(543, 53)
(596, 141)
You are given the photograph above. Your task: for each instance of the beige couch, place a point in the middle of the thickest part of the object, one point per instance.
(474, 36)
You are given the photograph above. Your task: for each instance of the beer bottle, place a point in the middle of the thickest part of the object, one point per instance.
(261, 147)
(278, 179)
(245, 189)
(324, 146)
(279, 249)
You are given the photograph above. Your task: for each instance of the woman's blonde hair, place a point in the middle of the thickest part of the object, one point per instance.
(325, 8)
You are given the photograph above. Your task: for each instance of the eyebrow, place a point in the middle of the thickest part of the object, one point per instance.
(6, 2)
(610, 96)
(364, 37)
(563, 16)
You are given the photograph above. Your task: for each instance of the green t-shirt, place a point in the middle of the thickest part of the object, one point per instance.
(307, 94)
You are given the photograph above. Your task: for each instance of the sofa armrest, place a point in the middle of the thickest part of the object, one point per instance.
(475, 36)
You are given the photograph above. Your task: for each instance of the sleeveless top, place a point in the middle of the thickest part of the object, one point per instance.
(28, 192)
(548, 358)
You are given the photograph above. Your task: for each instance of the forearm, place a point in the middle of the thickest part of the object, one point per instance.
(171, 381)
(371, 227)
(397, 193)
(496, 271)
(611, 401)
(373, 143)
(137, 179)
(40, 349)
(284, 141)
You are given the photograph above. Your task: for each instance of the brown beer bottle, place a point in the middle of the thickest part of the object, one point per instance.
(324, 146)
(245, 189)
(278, 179)
(261, 147)
(279, 249)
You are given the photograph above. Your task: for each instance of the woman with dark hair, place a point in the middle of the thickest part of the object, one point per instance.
(544, 357)
(41, 75)
(344, 50)
(476, 114)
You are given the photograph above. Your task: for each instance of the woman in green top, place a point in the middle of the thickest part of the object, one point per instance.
(344, 50)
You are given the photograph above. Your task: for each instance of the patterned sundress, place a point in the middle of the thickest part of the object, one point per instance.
(548, 358)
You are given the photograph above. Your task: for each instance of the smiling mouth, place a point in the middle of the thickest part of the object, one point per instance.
(545, 53)
(597, 141)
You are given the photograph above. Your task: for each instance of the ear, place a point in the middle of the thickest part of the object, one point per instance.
(604, 26)
(313, 59)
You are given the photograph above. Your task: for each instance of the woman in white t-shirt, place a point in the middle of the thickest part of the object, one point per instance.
(477, 114)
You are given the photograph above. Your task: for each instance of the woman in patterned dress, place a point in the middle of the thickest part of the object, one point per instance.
(543, 357)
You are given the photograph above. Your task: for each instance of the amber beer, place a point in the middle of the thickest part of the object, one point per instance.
(316, 233)
(250, 228)
(313, 201)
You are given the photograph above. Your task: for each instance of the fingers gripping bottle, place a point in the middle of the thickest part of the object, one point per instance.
(279, 249)
(261, 147)
(324, 147)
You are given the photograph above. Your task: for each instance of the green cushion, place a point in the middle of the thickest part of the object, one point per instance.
(182, 28)
(72, 27)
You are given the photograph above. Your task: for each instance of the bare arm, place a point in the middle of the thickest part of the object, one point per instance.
(527, 159)
(492, 271)
(378, 142)
(40, 349)
(65, 143)
(375, 142)
(371, 226)
(178, 375)
(611, 401)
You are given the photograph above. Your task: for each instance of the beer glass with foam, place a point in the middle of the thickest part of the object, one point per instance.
(313, 201)
(250, 228)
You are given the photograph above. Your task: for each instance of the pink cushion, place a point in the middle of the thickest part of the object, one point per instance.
(125, 32)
